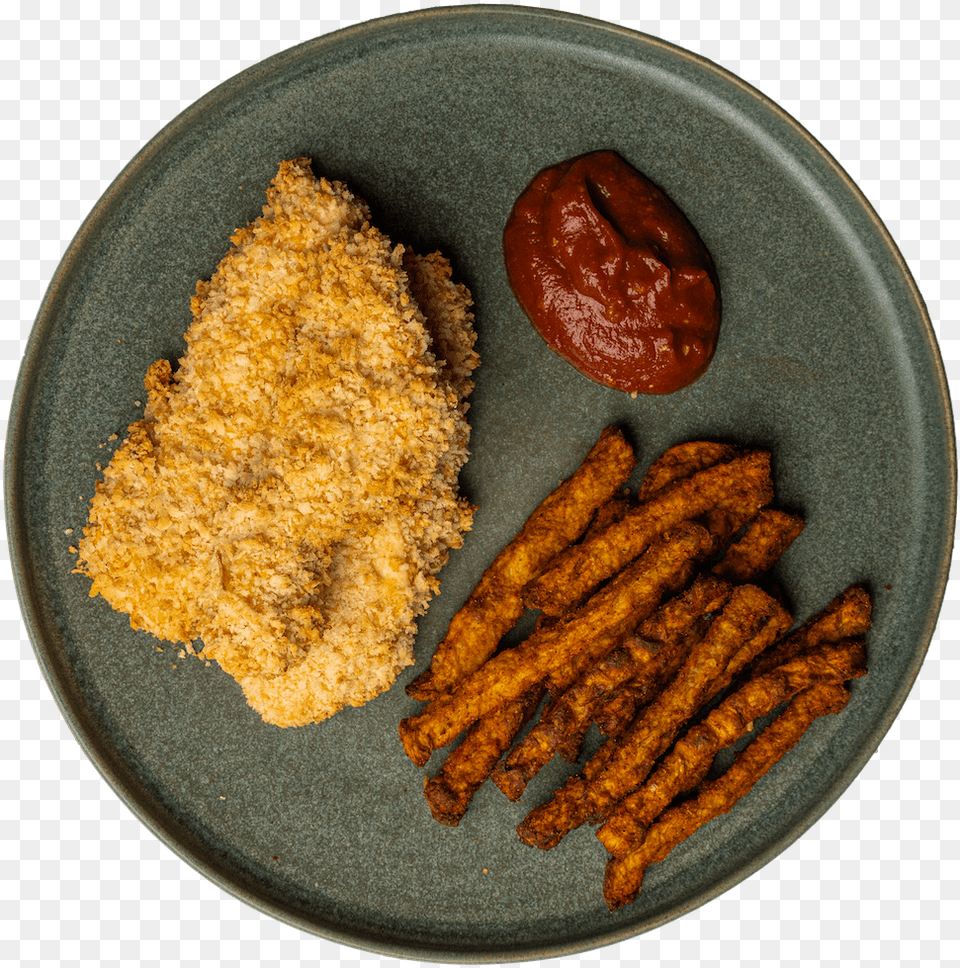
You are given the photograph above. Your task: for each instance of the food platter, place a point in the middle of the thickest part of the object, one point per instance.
(439, 119)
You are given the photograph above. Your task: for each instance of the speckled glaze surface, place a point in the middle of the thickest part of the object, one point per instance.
(439, 119)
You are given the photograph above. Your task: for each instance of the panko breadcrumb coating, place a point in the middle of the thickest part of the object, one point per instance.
(291, 492)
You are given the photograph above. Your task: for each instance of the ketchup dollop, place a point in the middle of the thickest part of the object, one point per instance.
(613, 276)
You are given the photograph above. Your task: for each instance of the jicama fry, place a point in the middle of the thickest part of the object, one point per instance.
(618, 709)
(612, 647)
(540, 745)
(750, 616)
(846, 617)
(609, 513)
(743, 482)
(615, 716)
(647, 660)
(681, 461)
(616, 609)
(756, 553)
(676, 627)
(547, 824)
(564, 722)
(467, 767)
(692, 755)
(623, 876)
(749, 622)
(496, 603)
(677, 618)
(765, 540)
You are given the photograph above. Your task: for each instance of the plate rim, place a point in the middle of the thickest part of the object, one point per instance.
(118, 777)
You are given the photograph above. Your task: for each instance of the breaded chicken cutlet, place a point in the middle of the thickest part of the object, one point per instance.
(291, 492)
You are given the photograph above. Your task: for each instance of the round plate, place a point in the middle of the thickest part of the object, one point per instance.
(439, 119)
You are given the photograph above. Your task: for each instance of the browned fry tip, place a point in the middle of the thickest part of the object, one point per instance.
(846, 617)
(681, 461)
(765, 540)
(449, 793)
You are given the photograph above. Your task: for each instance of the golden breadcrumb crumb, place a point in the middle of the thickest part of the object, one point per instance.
(291, 492)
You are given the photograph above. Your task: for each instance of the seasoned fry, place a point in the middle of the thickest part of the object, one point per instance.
(846, 617)
(613, 611)
(750, 620)
(565, 720)
(466, 769)
(547, 824)
(642, 630)
(496, 603)
(675, 646)
(614, 510)
(676, 619)
(676, 626)
(742, 482)
(571, 742)
(563, 676)
(690, 759)
(756, 555)
(728, 517)
(750, 616)
(765, 540)
(624, 876)
(449, 792)
(681, 461)
(560, 679)
(617, 710)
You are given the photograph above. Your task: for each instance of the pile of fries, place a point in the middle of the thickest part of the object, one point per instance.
(654, 626)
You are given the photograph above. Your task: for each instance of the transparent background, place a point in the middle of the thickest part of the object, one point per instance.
(84, 86)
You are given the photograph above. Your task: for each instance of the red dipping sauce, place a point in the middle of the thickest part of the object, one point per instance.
(613, 276)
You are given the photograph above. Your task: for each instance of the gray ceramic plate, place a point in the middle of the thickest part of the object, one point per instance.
(439, 119)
